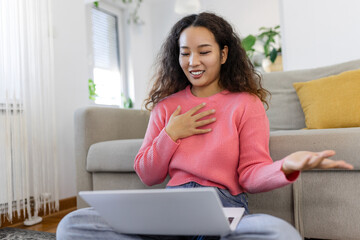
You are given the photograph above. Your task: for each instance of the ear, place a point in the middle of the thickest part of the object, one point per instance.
(224, 54)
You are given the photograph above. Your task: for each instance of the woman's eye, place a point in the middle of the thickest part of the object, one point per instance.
(205, 52)
(184, 54)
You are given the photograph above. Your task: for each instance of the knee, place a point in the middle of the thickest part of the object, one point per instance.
(284, 230)
(64, 227)
(73, 222)
(269, 227)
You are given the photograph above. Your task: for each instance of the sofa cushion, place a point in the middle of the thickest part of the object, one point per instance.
(331, 102)
(285, 112)
(113, 156)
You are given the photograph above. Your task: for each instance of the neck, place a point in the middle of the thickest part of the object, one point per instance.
(201, 92)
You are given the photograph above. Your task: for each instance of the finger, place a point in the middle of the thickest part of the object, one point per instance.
(204, 122)
(177, 111)
(319, 157)
(344, 165)
(315, 161)
(203, 114)
(195, 109)
(327, 153)
(328, 163)
(202, 131)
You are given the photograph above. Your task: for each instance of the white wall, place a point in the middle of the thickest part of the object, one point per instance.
(141, 54)
(70, 83)
(319, 33)
(247, 16)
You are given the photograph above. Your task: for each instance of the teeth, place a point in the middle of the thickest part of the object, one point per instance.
(197, 73)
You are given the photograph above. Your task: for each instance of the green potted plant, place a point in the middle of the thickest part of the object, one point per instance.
(92, 89)
(127, 102)
(269, 39)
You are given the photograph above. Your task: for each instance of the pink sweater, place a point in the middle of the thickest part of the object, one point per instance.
(234, 155)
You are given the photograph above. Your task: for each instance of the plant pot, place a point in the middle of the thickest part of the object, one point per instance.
(276, 66)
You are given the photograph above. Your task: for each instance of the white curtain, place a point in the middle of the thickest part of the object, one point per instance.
(28, 164)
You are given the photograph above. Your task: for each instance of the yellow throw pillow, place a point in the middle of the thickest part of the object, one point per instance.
(331, 102)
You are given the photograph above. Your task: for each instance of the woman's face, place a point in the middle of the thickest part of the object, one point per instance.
(201, 58)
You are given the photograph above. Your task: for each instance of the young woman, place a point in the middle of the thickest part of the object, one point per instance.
(208, 128)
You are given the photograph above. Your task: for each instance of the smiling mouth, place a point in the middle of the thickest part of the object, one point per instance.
(196, 74)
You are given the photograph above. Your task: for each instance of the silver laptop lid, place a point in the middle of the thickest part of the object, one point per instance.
(185, 211)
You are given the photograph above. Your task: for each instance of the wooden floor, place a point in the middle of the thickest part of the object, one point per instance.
(48, 224)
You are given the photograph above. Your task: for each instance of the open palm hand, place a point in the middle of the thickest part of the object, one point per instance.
(304, 160)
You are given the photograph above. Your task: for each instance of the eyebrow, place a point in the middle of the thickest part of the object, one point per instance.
(200, 46)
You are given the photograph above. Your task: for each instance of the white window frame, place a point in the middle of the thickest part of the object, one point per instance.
(120, 11)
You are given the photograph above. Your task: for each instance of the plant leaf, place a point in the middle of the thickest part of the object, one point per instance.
(273, 55)
(248, 42)
(266, 50)
(92, 89)
(128, 103)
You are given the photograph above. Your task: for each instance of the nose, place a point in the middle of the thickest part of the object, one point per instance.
(194, 60)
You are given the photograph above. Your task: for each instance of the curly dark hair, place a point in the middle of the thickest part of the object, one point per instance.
(237, 74)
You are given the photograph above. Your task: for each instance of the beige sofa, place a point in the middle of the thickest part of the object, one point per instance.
(321, 204)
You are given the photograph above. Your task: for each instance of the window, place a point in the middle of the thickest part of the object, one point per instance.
(107, 70)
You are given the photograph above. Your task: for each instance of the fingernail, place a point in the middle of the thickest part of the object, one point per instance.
(203, 103)
(214, 119)
(213, 110)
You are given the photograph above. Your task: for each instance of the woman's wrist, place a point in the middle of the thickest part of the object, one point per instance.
(286, 171)
(171, 135)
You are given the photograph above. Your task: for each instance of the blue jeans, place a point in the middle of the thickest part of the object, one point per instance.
(87, 224)
(226, 198)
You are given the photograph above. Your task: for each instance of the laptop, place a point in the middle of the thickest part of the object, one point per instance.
(180, 211)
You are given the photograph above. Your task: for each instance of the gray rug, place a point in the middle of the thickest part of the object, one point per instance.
(20, 234)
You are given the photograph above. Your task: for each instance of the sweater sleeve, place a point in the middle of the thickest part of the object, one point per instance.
(257, 171)
(152, 161)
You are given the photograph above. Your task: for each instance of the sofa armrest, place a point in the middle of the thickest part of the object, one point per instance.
(97, 124)
(113, 156)
(345, 141)
(325, 201)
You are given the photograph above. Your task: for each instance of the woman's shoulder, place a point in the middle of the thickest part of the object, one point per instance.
(247, 102)
(245, 97)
